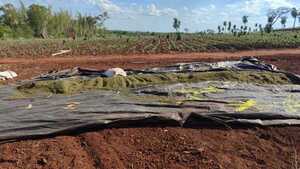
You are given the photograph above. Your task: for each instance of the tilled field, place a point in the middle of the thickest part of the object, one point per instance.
(159, 148)
(156, 147)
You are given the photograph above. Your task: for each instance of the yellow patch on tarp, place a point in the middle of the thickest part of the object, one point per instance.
(241, 107)
(292, 104)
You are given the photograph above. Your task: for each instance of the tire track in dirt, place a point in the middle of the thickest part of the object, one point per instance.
(90, 152)
(103, 153)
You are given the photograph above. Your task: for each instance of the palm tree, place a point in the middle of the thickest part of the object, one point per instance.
(234, 27)
(245, 28)
(294, 13)
(176, 24)
(283, 21)
(225, 25)
(245, 19)
(255, 25)
(219, 29)
(229, 26)
(261, 30)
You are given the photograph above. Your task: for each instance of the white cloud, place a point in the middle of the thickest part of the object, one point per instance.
(256, 7)
(106, 5)
(153, 10)
(280, 3)
(169, 12)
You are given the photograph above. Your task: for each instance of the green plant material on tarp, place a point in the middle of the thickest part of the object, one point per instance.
(75, 85)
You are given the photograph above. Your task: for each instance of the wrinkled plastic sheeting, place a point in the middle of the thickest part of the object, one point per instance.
(244, 64)
(222, 102)
(7, 75)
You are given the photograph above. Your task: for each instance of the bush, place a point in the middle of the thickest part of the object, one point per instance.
(5, 32)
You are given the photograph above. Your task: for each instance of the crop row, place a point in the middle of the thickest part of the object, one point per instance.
(149, 44)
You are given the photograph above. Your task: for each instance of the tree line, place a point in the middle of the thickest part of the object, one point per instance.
(42, 22)
(273, 16)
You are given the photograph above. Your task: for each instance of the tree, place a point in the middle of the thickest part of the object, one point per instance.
(219, 29)
(87, 25)
(225, 25)
(102, 18)
(261, 30)
(229, 26)
(10, 15)
(176, 24)
(274, 15)
(38, 17)
(15, 20)
(4, 30)
(268, 27)
(255, 25)
(39, 21)
(59, 24)
(294, 14)
(234, 27)
(245, 30)
(283, 21)
(245, 19)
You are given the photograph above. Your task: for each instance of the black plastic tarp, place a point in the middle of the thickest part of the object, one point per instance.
(177, 104)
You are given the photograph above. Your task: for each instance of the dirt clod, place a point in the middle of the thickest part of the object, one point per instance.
(42, 161)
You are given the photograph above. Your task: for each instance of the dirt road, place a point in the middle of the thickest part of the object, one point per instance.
(155, 147)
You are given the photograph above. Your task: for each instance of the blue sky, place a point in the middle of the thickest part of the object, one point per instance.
(156, 15)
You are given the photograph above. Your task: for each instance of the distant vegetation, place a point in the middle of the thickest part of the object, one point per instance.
(40, 21)
(273, 16)
(120, 42)
(38, 31)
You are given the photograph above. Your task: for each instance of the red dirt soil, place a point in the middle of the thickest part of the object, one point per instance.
(149, 147)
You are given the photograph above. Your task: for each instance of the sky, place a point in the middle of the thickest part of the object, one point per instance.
(157, 15)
